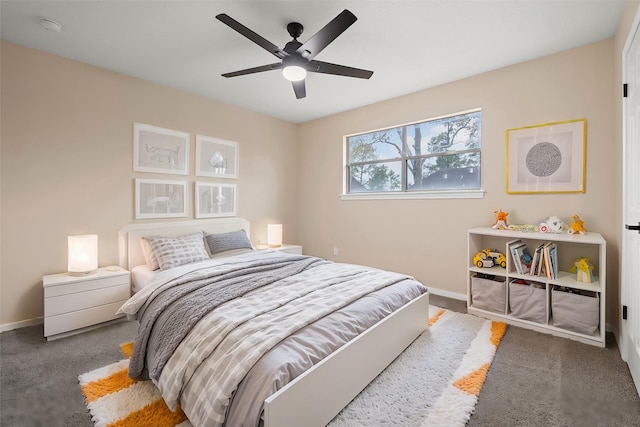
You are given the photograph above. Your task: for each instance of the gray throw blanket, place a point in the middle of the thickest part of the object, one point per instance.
(167, 319)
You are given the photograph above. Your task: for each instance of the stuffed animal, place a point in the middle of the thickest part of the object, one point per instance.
(577, 225)
(552, 225)
(501, 220)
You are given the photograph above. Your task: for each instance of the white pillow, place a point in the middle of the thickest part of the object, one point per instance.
(174, 251)
(149, 257)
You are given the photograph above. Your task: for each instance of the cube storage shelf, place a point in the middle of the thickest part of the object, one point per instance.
(495, 293)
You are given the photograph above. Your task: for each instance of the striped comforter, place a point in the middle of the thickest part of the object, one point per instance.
(206, 367)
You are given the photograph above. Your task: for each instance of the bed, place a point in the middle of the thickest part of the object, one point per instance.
(327, 347)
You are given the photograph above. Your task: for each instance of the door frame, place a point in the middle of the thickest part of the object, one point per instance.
(634, 30)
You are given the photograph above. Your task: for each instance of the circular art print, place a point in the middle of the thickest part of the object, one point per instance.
(546, 158)
(543, 159)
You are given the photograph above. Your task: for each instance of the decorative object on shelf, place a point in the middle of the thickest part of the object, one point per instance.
(160, 150)
(82, 254)
(215, 200)
(274, 235)
(577, 225)
(547, 158)
(501, 220)
(216, 157)
(553, 224)
(525, 228)
(159, 198)
(488, 258)
(583, 269)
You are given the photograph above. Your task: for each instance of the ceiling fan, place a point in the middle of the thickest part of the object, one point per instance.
(296, 57)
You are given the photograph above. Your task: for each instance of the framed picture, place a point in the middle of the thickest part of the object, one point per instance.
(160, 150)
(215, 200)
(215, 157)
(548, 158)
(159, 198)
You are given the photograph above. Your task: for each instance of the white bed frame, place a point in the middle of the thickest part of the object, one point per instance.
(318, 395)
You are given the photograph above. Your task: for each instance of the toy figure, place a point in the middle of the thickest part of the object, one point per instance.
(552, 225)
(577, 225)
(583, 269)
(501, 220)
(525, 228)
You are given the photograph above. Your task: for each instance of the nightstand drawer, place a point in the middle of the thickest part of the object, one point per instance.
(291, 249)
(80, 319)
(85, 285)
(67, 302)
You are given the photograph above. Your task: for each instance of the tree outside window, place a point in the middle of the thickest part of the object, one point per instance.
(436, 154)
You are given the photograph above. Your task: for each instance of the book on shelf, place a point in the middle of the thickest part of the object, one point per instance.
(550, 251)
(513, 251)
(521, 256)
(536, 261)
(553, 252)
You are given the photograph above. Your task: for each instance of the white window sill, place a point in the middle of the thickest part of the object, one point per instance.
(444, 194)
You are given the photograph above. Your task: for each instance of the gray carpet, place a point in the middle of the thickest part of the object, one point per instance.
(535, 379)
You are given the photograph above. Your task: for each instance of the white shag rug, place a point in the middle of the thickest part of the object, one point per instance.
(434, 382)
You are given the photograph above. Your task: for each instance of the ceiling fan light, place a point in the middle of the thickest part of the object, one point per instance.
(294, 73)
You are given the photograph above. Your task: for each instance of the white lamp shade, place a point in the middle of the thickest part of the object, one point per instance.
(83, 254)
(274, 234)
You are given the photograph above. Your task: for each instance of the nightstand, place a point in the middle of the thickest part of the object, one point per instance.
(72, 304)
(290, 249)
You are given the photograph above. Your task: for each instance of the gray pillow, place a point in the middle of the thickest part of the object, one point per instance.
(227, 241)
(174, 251)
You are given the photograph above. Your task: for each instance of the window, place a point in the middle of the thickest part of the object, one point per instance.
(440, 155)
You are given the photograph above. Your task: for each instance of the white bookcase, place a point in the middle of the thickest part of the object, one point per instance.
(490, 295)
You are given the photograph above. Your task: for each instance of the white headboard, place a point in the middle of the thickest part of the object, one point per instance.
(130, 251)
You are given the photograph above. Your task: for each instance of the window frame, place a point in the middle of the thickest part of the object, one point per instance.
(404, 193)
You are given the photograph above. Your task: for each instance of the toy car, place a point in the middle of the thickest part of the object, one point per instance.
(482, 260)
(489, 258)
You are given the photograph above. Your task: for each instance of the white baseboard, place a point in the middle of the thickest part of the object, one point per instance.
(21, 324)
(447, 294)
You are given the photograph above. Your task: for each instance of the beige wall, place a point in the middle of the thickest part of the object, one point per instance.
(67, 158)
(66, 165)
(427, 238)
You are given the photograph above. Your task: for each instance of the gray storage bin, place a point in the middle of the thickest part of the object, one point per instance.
(489, 294)
(527, 302)
(575, 312)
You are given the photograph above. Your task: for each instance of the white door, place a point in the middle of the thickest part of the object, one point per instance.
(630, 295)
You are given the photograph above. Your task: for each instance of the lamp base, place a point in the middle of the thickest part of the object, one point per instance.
(82, 273)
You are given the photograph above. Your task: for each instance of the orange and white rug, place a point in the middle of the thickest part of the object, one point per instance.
(434, 382)
(115, 400)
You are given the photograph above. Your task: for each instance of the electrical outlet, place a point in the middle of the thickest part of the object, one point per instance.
(336, 252)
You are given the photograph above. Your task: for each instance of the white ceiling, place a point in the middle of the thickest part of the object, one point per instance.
(410, 45)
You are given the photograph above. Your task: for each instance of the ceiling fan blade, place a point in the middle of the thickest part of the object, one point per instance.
(338, 70)
(327, 34)
(299, 89)
(251, 35)
(253, 70)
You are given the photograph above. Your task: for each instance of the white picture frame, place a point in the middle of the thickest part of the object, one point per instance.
(547, 158)
(160, 150)
(215, 157)
(214, 199)
(161, 198)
